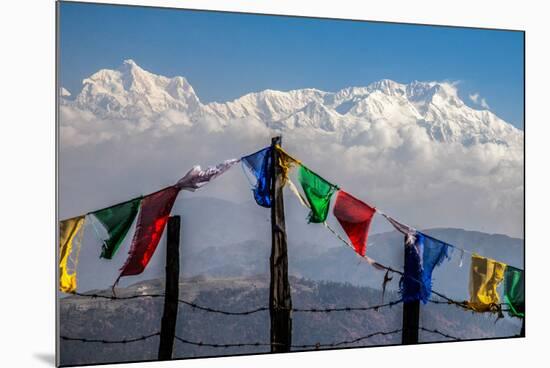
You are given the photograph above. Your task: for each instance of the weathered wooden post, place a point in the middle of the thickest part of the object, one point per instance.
(280, 302)
(411, 316)
(171, 293)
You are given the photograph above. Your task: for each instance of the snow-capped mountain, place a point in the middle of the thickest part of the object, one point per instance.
(132, 93)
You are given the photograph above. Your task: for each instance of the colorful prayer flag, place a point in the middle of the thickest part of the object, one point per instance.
(355, 217)
(318, 192)
(259, 166)
(197, 177)
(406, 230)
(485, 276)
(286, 163)
(155, 209)
(117, 220)
(70, 236)
(420, 260)
(297, 193)
(514, 291)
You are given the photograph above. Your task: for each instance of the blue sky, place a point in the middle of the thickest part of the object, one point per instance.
(226, 55)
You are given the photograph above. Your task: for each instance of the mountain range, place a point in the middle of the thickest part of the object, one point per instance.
(132, 93)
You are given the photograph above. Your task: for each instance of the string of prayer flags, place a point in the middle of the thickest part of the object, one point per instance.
(355, 217)
(406, 230)
(117, 220)
(155, 209)
(70, 236)
(514, 291)
(286, 162)
(197, 177)
(318, 192)
(258, 165)
(420, 260)
(485, 276)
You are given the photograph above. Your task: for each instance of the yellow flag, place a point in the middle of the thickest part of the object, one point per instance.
(69, 237)
(485, 276)
(286, 162)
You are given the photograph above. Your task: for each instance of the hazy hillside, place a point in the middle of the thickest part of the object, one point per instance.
(104, 319)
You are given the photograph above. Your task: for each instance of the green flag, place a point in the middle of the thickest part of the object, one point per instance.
(514, 291)
(117, 221)
(318, 192)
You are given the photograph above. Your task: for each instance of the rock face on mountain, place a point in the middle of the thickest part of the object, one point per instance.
(133, 93)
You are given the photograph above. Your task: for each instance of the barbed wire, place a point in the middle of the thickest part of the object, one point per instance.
(347, 342)
(113, 297)
(447, 301)
(214, 310)
(348, 309)
(230, 345)
(463, 304)
(439, 333)
(200, 343)
(494, 309)
(123, 341)
(298, 346)
(219, 311)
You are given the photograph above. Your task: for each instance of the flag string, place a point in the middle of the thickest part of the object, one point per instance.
(383, 213)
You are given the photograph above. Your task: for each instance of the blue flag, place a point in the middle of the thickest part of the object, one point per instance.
(259, 166)
(420, 260)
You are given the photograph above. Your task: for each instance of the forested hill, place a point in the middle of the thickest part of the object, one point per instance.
(96, 318)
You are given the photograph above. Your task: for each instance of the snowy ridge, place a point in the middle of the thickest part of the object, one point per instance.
(132, 93)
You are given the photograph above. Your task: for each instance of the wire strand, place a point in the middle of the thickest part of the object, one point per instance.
(260, 309)
(124, 341)
(439, 333)
(297, 346)
(230, 345)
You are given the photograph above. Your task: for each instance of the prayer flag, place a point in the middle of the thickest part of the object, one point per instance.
(420, 260)
(514, 291)
(117, 220)
(406, 230)
(485, 276)
(259, 165)
(286, 162)
(318, 192)
(355, 217)
(197, 177)
(70, 236)
(155, 209)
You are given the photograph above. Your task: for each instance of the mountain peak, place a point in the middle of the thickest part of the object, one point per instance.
(63, 92)
(129, 62)
(130, 92)
(130, 66)
(388, 87)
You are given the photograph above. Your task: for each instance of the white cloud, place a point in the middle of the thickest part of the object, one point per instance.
(484, 104)
(478, 100)
(404, 172)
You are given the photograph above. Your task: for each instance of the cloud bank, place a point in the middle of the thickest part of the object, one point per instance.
(402, 171)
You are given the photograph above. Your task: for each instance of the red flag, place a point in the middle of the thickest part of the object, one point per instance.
(355, 217)
(155, 209)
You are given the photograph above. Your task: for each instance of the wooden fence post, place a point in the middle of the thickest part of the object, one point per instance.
(171, 293)
(280, 302)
